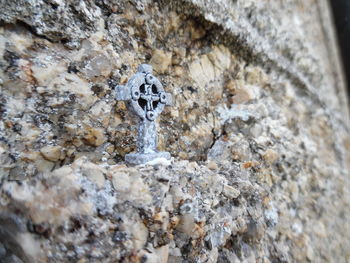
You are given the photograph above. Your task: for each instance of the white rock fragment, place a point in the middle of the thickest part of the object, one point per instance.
(272, 215)
(130, 186)
(139, 233)
(230, 192)
(213, 256)
(186, 224)
(156, 255)
(270, 156)
(226, 114)
(159, 161)
(95, 173)
(31, 247)
(52, 153)
(161, 60)
(220, 57)
(202, 71)
(47, 72)
(212, 165)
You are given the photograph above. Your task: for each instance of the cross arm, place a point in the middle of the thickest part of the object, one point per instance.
(169, 99)
(122, 93)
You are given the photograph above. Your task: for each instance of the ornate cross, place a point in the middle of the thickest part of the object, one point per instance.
(146, 98)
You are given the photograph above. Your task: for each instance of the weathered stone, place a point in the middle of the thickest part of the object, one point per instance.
(130, 186)
(230, 192)
(47, 18)
(212, 165)
(94, 136)
(94, 172)
(260, 120)
(270, 156)
(202, 71)
(52, 153)
(160, 61)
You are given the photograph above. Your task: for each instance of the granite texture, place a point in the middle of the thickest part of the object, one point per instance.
(259, 132)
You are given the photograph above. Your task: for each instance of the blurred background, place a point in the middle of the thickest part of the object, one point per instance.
(341, 11)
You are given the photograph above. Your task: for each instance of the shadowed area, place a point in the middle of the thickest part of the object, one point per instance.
(341, 14)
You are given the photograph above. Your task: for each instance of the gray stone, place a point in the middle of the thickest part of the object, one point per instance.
(2, 251)
(69, 21)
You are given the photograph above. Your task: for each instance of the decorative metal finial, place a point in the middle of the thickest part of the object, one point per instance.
(147, 98)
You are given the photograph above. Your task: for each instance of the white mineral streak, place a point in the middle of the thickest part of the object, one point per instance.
(228, 114)
(159, 161)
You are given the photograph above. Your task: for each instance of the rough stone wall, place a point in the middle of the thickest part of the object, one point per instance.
(259, 133)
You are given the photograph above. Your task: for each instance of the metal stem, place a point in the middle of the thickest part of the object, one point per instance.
(147, 136)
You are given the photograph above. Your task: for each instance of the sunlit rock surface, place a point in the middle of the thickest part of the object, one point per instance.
(259, 132)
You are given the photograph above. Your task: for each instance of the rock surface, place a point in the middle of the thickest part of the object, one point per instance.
(259, 132)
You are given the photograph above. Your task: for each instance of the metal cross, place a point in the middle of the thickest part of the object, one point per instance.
(146, 98)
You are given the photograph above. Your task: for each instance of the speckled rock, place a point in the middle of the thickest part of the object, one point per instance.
(259, 132)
